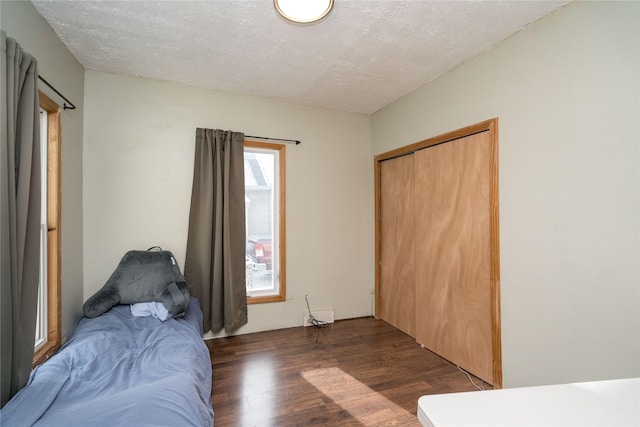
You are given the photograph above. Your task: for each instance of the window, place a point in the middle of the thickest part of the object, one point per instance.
(48, 316)
(264, 166)
(41, 322)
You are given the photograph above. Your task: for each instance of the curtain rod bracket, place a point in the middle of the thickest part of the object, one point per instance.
(64, 104)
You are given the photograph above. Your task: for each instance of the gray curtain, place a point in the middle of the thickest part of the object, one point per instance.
(215, 261)
(19, 215)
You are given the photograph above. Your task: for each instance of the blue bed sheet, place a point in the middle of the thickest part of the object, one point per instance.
(121, 370)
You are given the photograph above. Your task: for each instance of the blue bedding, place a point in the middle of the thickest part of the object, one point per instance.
(121, 370)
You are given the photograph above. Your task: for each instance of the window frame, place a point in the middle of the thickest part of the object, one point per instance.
(280, 150)
(54, 144)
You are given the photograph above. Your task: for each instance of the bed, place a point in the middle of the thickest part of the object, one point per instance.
(121, 370)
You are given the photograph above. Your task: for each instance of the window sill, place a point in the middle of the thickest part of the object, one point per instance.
(265, 299)
(44, 353)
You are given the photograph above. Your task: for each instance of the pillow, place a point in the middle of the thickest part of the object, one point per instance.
(142, 276)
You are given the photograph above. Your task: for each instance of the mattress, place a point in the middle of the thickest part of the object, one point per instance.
(121, 370)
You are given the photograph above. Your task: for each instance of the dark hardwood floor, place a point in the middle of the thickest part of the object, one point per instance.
(362, 372)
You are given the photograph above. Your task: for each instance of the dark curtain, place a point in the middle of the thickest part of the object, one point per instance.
(19, 215)
(215, 262)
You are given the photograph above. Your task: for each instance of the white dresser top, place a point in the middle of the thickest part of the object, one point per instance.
(598, 403)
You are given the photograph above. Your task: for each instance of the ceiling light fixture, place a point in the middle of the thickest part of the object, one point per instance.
(303, 11)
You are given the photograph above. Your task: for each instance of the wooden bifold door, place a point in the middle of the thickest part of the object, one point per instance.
(437, 276)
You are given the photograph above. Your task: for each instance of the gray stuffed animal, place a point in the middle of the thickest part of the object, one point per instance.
(142, 276)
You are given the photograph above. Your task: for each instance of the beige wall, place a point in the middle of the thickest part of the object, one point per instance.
(56, 64)
(138, 156)
(566, 91)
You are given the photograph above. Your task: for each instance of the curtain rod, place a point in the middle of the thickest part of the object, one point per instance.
(64, 105)
(288, 141)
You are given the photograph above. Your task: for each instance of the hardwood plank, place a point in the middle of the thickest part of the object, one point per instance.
(362, 372)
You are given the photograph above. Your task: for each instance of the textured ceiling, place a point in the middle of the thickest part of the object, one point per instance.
(363, 56)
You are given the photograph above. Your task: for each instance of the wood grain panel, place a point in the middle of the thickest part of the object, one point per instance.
(453, 244)
(396, 291)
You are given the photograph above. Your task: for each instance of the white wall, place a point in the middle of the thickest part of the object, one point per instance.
(56, 64)
(138, 155)
(567, 94)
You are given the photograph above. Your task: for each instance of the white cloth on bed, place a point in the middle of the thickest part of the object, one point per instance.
(153, 309)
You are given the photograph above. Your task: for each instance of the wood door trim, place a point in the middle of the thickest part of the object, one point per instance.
(490, 126)
(494, 220)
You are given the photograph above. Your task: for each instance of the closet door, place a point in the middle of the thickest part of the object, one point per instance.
(396, 292)
(453, 244)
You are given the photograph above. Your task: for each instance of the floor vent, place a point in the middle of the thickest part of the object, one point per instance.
(325, 315)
